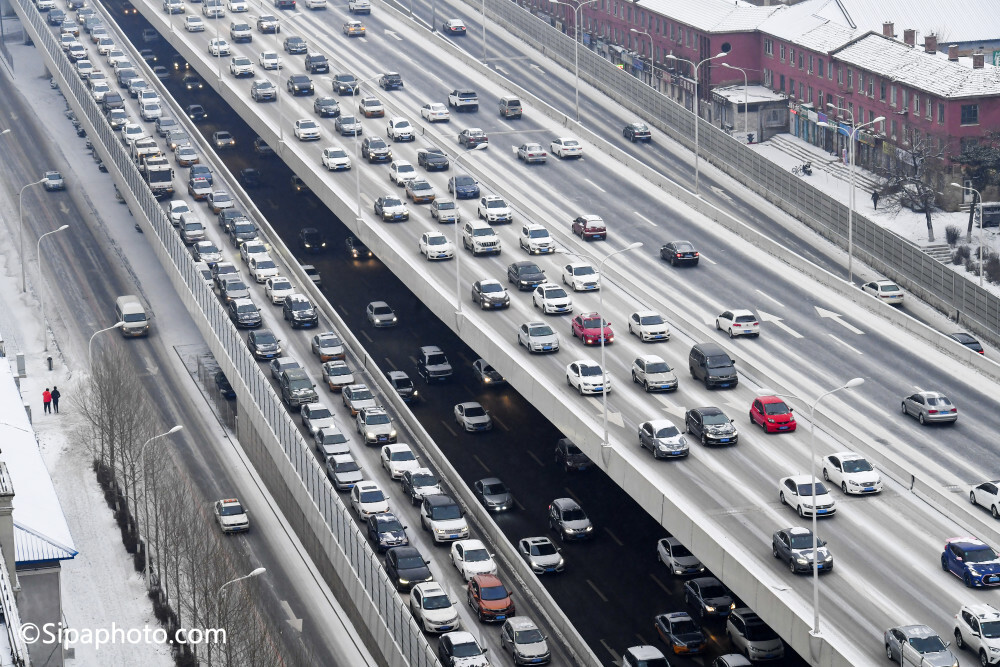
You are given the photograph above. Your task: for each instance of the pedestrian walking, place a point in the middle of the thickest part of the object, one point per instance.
(875, 199)
(47, 400)
(55, 398)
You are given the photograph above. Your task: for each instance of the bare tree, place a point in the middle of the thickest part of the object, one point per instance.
(913, 179)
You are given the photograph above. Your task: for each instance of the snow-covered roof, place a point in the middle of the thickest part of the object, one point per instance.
(913, 67)
(37, 513)
(711, 15)
(819, 25)
(751, 94)
(33, 547)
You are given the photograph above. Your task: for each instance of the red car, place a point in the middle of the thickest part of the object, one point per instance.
(489, 598)
(589, 227)
(587, 327)
(772, 414)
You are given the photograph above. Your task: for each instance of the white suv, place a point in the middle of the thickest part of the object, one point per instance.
(480, 238)
(977, 628)
(536, 240)
(493, 209)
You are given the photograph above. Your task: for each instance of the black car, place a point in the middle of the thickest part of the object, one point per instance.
(311, 240)
(326, 107)
(284, 4)
(300, 84)
(679, 252)
(385, 531)
(242, 230)
(192, 82)
(178, 62)
(295, 45)
(493, 494)
(56, 17)
(244, 313)
(250, 178)
(433, 159)
(196, 112)
(222, 384)
(967, 340)
(316, 63)
(263, 90)
(201, 171)
(637, 132)
(227, 216)
(463, 187)
(708, 597)
(356, 249)
(403, 385)
(391, 81)
(263, 344)
(261, 148)
(525, 275)
(711, 426)
(112, 100)
(345, 84)
(375, 149)
(679, 631)
(124, 76)
(406, 566)
(571, 457)
(299, 311)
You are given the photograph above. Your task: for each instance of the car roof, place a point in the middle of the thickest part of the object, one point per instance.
(487, 580)
(368, 485)
(645, 652)
(341, 458)
(770, 399)
(967, 543)
(983, 611)
(802, 479)
(398, 448)
(565, 503)
(798, 530)
(916, 631)
(741, 311)
(430, 349)
(398, 375)
(470, 404)
(430, 588)
(651, 358)
(439, 499)
(471, 544)
(521, 623)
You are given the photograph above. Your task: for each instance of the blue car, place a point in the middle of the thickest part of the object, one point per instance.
(463, 187)
(971, 560)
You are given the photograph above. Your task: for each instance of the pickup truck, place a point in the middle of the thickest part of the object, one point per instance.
(359, 6)
(463, 100)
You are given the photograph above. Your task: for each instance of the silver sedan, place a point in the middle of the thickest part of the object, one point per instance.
(930, 406)
(662, 438)
(538, 337)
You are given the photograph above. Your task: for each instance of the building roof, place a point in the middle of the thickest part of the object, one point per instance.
(913, 67)
(711, 15)
(736, 93)
(31, 547)
(819, 25)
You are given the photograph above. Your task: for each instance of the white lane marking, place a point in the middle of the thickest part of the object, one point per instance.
(501, 424)
(640, 215)
(595, 185)
(448, 426)
(702, 256)
(613, 417)
(480, 462)
(659, 583)
(393, 35)
(614, 537)
(389, 361)
(768, 296)
(676, 410)
(616, 659)
(296, 623)
(500, 69)
(822, 312)
(537, 460)
(776, 321)
(596, 590)
(853, 349)
(536, 68)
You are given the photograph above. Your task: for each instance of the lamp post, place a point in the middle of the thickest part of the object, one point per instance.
(7, 131)
(651, 54)
(145, 495)
(90, 345)
(41, 292)
(600, 297)
(20, 215)
(484, 32)
(576, 46)
(850, 157)
(458, 255)
(979, 195)
(697, 115)
(746, 99)
(256, 573)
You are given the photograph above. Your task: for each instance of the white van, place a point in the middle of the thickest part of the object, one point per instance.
(129, 309)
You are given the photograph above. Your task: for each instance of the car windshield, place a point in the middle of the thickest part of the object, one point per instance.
(590, 371)
(335, 438)
(388, 524)
(376, 143)
(889, 288)
(445, 205)
(373, 496)
(538, 233)
(446, 512)
(540, 331)
(391, 201)
(440, 240)
(436, 602)
(382, 310)
(491, 287)
(802, 541)
(465, 180)
(778, 408)
(667, 432)
(583, 270)
(857, 465)
(192, 226)
(376, 419)
(650, 319)
(320, 413)
(477, 555)
(436, 359)
(420, 185)
(475, 411)
(134, 317)
(685, 627)
(493, 592)
(680, 551)
(495, 488)
(246, 308)
(716, 419)
(807, 489)
(991, 629)
(592, 323)
(984, 555)
(347, 466)
(467, 650)
(496, 203)
(555, 293)
(280, 285)
(483, 231)
(713, 591)
(532, 636)
(543, 549)
(361, 395)
(574, 514)
(746, 318)
(719, 362)
(301, 305)
(405, 455)
(234, 509)
(403, 383)
(938, 400)
(759, 632)
(424, 479)
(266, 338)
(931, 644)
(244, 228)
(206, 248)
(657, 367)
(410, 562)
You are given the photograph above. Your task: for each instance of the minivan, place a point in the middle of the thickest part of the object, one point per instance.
(712, 365)
(510, 107)
(129, 309)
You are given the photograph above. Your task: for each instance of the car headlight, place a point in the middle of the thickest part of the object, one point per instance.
(802, 561)
(392, 433)
(403, 581)
(589, 528)
(710, 609)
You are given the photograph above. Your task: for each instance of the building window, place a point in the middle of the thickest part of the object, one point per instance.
(840, 75)
(781, 52)
(781, 80)
(811, 63)
(802, 91)
(906, 99)
(928, 108)
(871, 86)
(916, 105)
(768, 77)
(850, 78)
(819, 101)
(769, 47)
(672, 35)
(791, 86)
(658, 25)
(820, 69)
(881, 90)
(895, 129)
(892, 96)
(800, 59)
(970, 114)
(840, 103)
(850, 111)
(860, 115)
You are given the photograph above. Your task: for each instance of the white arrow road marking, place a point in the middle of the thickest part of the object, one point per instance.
(640, 215)
(849, 347)
(613, 417)
(536, 67)
(722, 193)
(670, 408)
(595, 185)
(394, 35)
(776, 321)
(296, 623)
(836, 318)
(616, 659)
(63, 208)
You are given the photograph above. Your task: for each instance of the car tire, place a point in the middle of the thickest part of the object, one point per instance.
(774, 550)
(717, 327)
(731, 334)
(903, 408)
(704, 440)
(843, 487)
(802, 512)
(781, 497)
(888, 652)
(920, 418)
(791, 566)
(959, 642)
(995, 512)
(826, 475)
(984, 660)
(967, 580)
(645, 386)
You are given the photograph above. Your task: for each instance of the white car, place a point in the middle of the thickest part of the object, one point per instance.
(397, 459)
(194, 24)
(262, 267)
(977, 629)
(237, 6)
(550, 298)
(886, 290)
(146, 96)
(277, 288)
(177, 208)
(337, 375)
(987, 495)
(435, 112)
(133, 132)
(316, 416)
(435, 245)
(219, 47)
(231, 516)
(336, 159)
(327, 346)
(370, 106)
(105, 46)
(241, 66)
(493, 209)
(173, 6)
(538, 337)
(587, 377)
(566, 147)
(269, 60)
(375, 426)
(677, 558)
(401, 171)
(852, 472)
(432, 608)
(738, 322)
(581, 276)
(649, 326)
(399, 129)
(367, 498)
(444, 518)
(472, 416)
(470, 557)
(536, 239)
(208, 252)
(306, 129)
(250, 249)
(796, 491)
(653, 373)
(150, 110)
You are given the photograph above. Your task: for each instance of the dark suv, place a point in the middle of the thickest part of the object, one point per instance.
(711, 426)
(375, 149)
(391, 81)
(300, 84)
(296, 388)
(298, 311)
(345, 84)
(571, 457)
(316, 63)
(709, 363)
(433, 365)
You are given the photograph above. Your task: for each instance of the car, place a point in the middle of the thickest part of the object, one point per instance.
(797, 491)
(472, 417)
(390, 81)
(571, 457)
(402, 385)
(490, 294)
(237, 6)
(463, 187)
(486, 374)
(432, 609)
(295, 45)
(852, 472)
(240, 32)
(345, 84)
(524, 641)
(219, 200)
(738, 322)
(300, 84)
(637, 132)
(223, 271)
(930, 406)
(386, 531)
(218, 47)
(541, 555)
(299, 312)
(536, 239)
(137, 85)
(489, 599)
(708, 597)
(653, 373)
(356, 249)
(532, 153)
(772, 414)
(375, 426)
(315, 417)
(588, 328)
(232, 286)
(662, 438)
(472, 137)
(367, 498)
(177, 138)
(269, 60)
(678, 559)
(420, 482)
(316, 63)
(917, 645)
(494, 210)
(391, 208)
(568, 519)
(679, 252)
(55, 17)
(453, 27)
(358, 397)
(551, 299)
(337, 375)
(967, 340)
(538, 337)
(977, 629)
(176, 209)
(53, 180)
(433, 159)
(336, 159)
(443, 518)
(435, 112)
(326, 107)
(493, 494)
(223, 386)
(261, 148)
(223, 139)
(987, 495)
(435, 245)
(150, 111)
(244, 313)
(354, 28)
(306, 129)
(401, 172)
(196, 112)
(206, 251)
(884, 290)
(581, 276)
(470, 557)
(750, 635)
(679, 631)
(375, 149)
(649, 326)
(327, 346)
(200, 189)
(380, 315)
(312, 240)
(971, 560)
(276, 288)
(250, 178)
(268, 24)
(419, 191)
(564, 147)
(525, 275)
(165, 124)
(405, 566)
(397, 459)
(461, 649)
(794, 546)
(432, 364)
(213, 9)
(194, 24)
(231, 516)
(370, 107)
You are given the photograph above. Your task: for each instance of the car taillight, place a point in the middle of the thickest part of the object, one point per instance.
(680, 255)
(695, 254)
(932, 412)
(737, 324)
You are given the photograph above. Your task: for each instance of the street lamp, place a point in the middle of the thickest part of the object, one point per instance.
(746, 99)
(576, 46)
(90, 345)
(458, 255)
(850, 156)
(979, 195)
(145, 494)
(20, 215)
(604, 379)
(256, 573)
(41, 292)
(697, 115)
(5, 132)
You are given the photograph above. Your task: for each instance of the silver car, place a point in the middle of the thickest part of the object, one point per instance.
(380, 314)
(917, 645)
(472, 416)
(677, 558)
(653, 373)
(930, 406)
(541, 555)
(524, 641)
(661, 437)
(538, 337)
(281, 364)
(343, 471)
(752, 637)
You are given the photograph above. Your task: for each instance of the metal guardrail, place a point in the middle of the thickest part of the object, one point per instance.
(386, 617)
